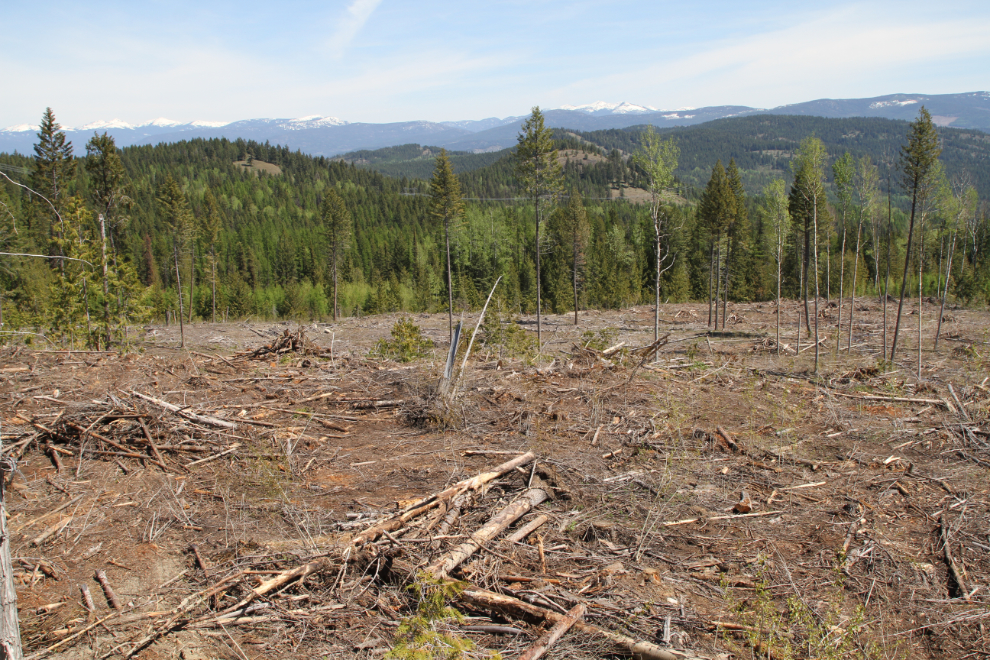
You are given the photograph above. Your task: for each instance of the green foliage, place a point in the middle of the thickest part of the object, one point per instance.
(407, 343)
(420, 636)
(504, 335)
(791, 630)
(599, 340)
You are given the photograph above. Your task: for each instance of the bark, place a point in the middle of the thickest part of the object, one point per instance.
(945, 290)
(817, 339)
(842, 275)
(178, 289)
(450, 290)
(907, 261)
(852, 303)
(498, 523)
(10, 632)
(543, 644)
(106, 283)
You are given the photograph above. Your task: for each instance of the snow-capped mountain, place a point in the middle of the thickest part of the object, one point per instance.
(328, 136)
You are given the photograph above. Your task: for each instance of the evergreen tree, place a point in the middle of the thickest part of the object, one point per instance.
(447, 208)
(776, 215)
(337, 228)
(210, 225)
(715, 211)
(658, 159)
(918, 158)
(540, 174)
(54, 169)
(179, 220)
(744, 272)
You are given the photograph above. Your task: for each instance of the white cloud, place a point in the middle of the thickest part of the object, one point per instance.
(357, 15)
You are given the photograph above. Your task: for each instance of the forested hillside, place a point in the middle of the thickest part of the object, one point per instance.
(187, 213)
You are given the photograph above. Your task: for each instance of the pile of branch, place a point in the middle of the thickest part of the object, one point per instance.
(352, 576)
(287, 342)
(114, 429)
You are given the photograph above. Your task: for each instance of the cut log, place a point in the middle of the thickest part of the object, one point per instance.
(507, 605)
(543, 644)
(527, 529)
(498, 523)
(421, 506)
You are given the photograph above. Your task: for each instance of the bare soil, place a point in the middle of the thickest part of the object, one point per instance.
(721, 501)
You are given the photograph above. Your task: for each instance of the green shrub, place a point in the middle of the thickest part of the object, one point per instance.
(406, 345)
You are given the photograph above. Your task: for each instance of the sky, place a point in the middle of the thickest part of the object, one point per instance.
(386, 61)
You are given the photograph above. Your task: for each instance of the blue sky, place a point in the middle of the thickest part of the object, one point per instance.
(383, 60)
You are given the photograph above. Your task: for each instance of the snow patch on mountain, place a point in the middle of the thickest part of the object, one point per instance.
(311, 121)
(603, 107)
(890, 104)
(161, 122)
(104, 124)
(208, 124)
(21, 128)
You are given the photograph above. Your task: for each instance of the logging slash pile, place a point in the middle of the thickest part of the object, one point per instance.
(674, 499)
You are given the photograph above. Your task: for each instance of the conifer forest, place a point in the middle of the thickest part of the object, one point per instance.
(221, 230)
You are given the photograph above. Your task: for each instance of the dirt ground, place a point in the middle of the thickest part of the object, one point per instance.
(718, 502)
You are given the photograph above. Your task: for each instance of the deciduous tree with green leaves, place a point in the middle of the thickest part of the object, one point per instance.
(447, 208)
(658, 159)
(540, 174)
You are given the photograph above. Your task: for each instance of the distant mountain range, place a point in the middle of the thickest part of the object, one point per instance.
(330, 136)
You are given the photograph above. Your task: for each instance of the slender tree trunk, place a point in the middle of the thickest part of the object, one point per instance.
(921, 283)
(539, 309)
(575, 269)
(778, 296)
(10, 631)
(886, 280)
(656, 310)
(842, 275)
(334, 257)
(718, 279)
(907, 260)
(450, 290)
(711, 283)
(805, 265)
(192, 277)
(725, 289)
(106, 283)
(828, 268)
(852, 302)
(213, 285)
(945, 290)
(938, 282)
(89, 329)
(178, 288)
(817, 292)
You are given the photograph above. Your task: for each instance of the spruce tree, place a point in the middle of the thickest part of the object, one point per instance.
(918, 158)
(539, 172)
(54, 168)
(740, 271)
(447, 208)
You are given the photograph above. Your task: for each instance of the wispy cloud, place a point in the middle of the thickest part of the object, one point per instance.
(356, 16)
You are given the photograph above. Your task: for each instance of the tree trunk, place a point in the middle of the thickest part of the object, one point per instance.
(886, 281)
(945, 289)
(852, 304)
(192, 277)
(450, 290)
(817, 292)
(842, 276)
(779, 259)
(213, 285)
(725, 290)
(656, 311)
(921, 283)
(718, 279)
(575, 269)
(907, 260)
(539, 309)
(804, 273)
(10, 631)
(106, 283)
(711, 283)
(178, 289)
(334, 257)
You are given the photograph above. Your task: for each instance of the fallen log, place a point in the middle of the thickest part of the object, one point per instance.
(507, 605)
(513, 512)
(526, 529)
(543, 644)
(193, 417)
